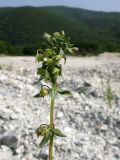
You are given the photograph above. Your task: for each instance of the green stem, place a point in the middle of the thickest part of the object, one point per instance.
(52, 112)
(51, 123)
(51, 148)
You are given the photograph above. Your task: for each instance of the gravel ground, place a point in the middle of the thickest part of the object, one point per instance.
(92, 128)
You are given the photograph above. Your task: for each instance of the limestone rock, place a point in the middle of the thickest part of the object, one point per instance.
(10, 139)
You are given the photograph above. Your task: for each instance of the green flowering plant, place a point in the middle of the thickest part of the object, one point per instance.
(56, 48)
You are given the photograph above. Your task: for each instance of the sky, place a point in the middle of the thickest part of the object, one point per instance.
(99, 5)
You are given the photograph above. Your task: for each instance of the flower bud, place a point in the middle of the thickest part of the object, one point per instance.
(45, 59)
(44, 92)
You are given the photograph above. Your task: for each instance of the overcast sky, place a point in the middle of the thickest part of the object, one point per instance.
(100, 5)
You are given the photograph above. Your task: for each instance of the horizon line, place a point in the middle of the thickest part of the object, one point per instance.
(33, 6)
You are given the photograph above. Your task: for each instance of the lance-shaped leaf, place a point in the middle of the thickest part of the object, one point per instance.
(75, 49)
(57, 132)
(39, 56)
(63, 33)
(40, 71)
(45, 139)
(56, 34)
(37, 95)
(56, 71)
(65, 92)
(70, 50)
(64, 57)
(60, 56)
(47, 36)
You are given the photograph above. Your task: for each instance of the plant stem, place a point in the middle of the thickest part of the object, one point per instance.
(52, 112)
(51, 148)
(51, 124)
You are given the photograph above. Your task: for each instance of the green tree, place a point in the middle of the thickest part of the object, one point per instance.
(3, 47)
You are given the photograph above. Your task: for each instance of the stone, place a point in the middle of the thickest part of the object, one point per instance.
(87, 84)
(13, 116)
(5, 155)
(76, 95)
(94, 93)
(5, 148)
(20, 149)
(4, 115)
(29, 156)
(2, 130)
(43, 154)
(59, 115)
(10, 138)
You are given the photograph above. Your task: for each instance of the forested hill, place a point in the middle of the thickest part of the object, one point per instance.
(91, 31)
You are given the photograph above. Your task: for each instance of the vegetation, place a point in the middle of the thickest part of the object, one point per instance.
(108, 93)
(57, 45)
(93, 32)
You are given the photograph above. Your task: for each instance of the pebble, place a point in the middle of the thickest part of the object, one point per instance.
(10, 138)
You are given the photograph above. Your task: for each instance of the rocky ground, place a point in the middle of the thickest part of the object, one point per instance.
(92, 128)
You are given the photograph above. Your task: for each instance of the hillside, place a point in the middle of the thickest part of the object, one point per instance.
(91, 31)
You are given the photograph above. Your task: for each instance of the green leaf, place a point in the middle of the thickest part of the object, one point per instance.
(56, 70)
(39, 57)
(47, 36)
(56, 34)
(45, 139)
(75, 49)
(40, 71)
(58, 57)
(57, 132)
(37, 95)
(64, 59)
(49, 52)
(70, 50)
(63, 33)
(46, 75)
(65, 92)
(49, 61)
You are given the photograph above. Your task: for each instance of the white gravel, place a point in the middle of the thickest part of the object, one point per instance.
(92, 129)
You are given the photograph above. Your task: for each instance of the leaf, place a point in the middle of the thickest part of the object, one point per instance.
(39, 57)
(37, 95)
(61, 51)
(58, 57)
(63, 33)
(57, 132)
(56, 34)
(65, 92)
(70, 50)
(75, 49)
(40, 71)
(64, 57)
(49, 62)
(45, 139)
(46, 75)
(56, 71)
(47, 36)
